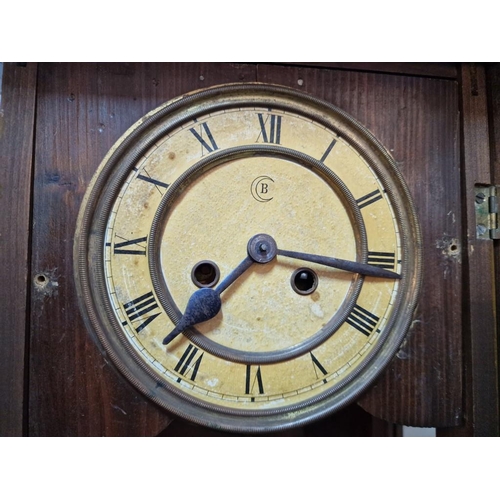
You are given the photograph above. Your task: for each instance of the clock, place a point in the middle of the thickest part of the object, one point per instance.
(248, 257)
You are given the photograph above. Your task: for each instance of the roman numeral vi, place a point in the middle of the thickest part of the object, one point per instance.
(250, 381)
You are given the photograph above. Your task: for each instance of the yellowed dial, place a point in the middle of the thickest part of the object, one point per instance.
(285, 213)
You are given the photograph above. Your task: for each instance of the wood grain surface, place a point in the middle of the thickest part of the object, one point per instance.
(82, 109)
(438, 70)
(493, 88)
(480, 326)
(17, 111)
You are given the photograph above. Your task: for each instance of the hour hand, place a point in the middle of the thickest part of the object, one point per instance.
(205, 303)
(345, 265)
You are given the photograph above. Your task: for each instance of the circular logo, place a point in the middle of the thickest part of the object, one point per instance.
(261, 188)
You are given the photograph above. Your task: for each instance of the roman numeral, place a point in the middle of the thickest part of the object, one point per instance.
(156, 183)
(364, 321)
(318, 366)
(138, 309)
(385, 260)
(187, 363)
(328, 150)
(369, 198)
(251, 381)
(130, 247)
(204, 131)
(270, 128)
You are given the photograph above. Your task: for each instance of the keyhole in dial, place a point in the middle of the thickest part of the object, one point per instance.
(205, 274)
(304, 281)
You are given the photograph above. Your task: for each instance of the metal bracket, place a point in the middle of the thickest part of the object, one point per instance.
(486, 203)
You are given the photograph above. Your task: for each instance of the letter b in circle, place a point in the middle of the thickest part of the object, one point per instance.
(261, 188)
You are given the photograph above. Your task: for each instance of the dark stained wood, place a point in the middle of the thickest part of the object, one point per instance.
(493, 86)
(417, 120)
(423, 385)
(480, 332)
(350, 421)
(82, 110)
(17, 111)
(438, 70)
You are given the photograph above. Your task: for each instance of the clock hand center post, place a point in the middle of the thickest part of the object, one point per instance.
(205, 303)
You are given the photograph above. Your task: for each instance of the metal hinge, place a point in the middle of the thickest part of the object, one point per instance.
(487, 212)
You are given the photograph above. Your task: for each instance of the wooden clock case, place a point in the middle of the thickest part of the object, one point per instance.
(441, 123)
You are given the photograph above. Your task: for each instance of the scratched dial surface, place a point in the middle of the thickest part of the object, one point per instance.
(178, 198)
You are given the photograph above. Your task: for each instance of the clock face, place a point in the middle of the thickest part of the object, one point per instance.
(249, 257)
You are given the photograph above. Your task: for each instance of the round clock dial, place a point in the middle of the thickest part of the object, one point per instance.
(249, 257)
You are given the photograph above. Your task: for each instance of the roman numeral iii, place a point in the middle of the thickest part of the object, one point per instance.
(385, 260)
(364, 321)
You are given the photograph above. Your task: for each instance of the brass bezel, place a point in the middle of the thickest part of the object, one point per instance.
(89, 243)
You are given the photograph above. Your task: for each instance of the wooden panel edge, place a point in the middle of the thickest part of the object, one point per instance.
(435, 70)
(16, 146)
(480, 343)
(493, 88)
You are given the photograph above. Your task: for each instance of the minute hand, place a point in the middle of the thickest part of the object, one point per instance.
(345, 265)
